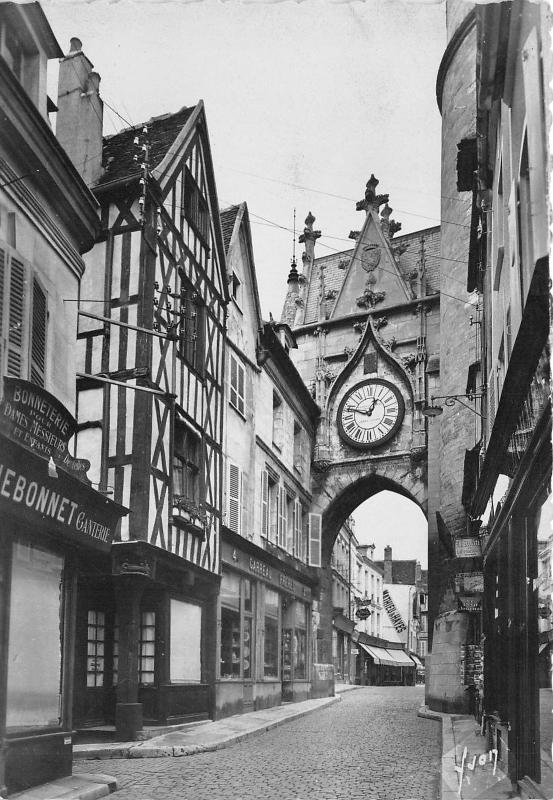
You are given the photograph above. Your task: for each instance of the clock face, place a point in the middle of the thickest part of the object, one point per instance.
(370, 413)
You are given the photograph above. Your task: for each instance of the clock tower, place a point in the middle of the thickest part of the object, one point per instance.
(366, 323)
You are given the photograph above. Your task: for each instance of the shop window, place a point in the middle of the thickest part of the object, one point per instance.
(192, 330)
(278, 421)
(271, 643)
(235, 489)
(95, 660)
(185, 642)
(300, 641)
(35, 638)
(236, 626)
(147, 647)
(237, 385)
(186, 464)
(23, 320)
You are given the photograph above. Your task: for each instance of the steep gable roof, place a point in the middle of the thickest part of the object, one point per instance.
(228, 218)
(119, 149)
(408, 245)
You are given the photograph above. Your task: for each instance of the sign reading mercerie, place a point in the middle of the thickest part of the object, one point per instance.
(35, 419)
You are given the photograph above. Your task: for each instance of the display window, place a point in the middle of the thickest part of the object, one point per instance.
(35, 639)
(237, 608)
(294, 642)
(272, 625)
(185, 643)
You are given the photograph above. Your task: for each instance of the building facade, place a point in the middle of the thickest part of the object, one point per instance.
(150, 410)
(55, 524)
(508, 484)
(366, 321)
(267, 640)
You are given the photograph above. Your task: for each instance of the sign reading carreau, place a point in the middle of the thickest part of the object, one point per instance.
(62, 505)
(468, 547)
(36, 420)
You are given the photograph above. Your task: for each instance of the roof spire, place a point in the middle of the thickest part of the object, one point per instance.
(293, 274)
(371, 199)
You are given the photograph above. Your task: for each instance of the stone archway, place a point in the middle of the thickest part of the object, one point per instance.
(338, 490)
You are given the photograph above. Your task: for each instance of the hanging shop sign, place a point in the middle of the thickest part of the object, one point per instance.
(62, 505)
(36, 420)
(469, 582)
(470, 602)
(468, 547)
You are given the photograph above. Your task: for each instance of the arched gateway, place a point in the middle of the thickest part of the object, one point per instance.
(366, 326)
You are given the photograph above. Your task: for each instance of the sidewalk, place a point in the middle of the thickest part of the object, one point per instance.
(475, 765)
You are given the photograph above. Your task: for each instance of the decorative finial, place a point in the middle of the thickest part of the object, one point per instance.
(308, 232)
(371, 199)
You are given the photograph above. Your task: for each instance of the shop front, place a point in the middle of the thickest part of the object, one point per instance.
(53, 526)
(379, 665)
(264, 646)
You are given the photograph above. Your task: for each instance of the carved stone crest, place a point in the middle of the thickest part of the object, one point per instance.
(371, 257)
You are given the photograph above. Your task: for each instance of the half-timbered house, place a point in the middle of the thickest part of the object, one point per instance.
(270, 541)
(150, 388)
(54, 523)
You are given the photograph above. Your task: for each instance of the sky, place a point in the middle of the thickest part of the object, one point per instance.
(304, 100)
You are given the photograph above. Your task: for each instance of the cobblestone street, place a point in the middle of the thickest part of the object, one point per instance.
(369, 746)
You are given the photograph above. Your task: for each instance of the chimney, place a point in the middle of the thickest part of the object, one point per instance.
(388, 564)
(80, 113)
(370, 551)
(418, 573)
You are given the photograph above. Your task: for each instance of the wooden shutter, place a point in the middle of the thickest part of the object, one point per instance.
(315, 536)
(233, 381)
(298, 549)
(240, 388)
(281, 516)
(16, 361)
(235, 498)
(265, 503)
(290, 525)
(38, 334)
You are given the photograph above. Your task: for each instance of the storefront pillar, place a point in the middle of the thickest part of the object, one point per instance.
(128, 711)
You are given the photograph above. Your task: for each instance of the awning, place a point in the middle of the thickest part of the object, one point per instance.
(343, 624)
(378, 654)
(400, 658)
(417, 661)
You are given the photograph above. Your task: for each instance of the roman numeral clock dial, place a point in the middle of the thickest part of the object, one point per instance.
(370, 413)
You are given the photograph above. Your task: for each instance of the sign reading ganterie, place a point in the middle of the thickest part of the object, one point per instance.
(35, 419)
(61, 505)
(468, 547)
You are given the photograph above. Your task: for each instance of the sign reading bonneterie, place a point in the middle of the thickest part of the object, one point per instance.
(62, 504)
(36, 420)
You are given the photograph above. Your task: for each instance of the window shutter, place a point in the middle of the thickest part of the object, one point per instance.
(290, 526)
(38, 335)
(281, 517)
(235, 498)
(298, 550)
(315, 534)
(233, 373)
(16, 320)
(265, 503)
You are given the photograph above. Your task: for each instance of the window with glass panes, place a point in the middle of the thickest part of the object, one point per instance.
(237, 606)
(147, 646)
(271, 645)
(95, 648)
(237, 374)
(186, 464)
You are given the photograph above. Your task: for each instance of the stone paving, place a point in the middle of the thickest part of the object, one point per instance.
(369, 746)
